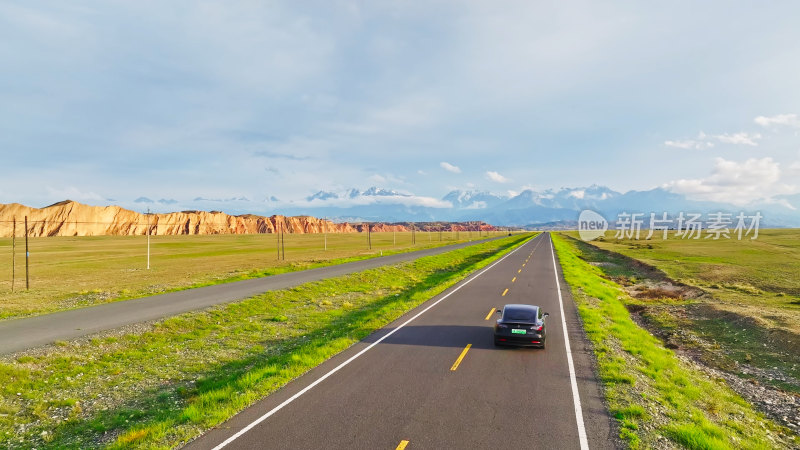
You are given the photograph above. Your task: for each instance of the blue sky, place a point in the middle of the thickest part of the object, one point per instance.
(253, 104)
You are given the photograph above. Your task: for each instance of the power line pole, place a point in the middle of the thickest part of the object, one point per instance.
(148, 238)
(13, 253)
(369, 235)
(27, 257)
(325, 231)
(283, 245)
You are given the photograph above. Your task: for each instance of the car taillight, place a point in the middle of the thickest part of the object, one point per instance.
(537, 328)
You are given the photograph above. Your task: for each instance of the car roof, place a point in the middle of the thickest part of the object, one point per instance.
(519, 306)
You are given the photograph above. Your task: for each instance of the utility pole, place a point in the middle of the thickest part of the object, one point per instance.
(394, 235)
(27, 257)
(13, 252)
(277, 238)
(325, 232)
(148, 238)
(413, 233)
(369, 235)
(283, 245)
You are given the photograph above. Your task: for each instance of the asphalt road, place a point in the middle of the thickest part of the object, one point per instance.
(21, 334)
(433, 379)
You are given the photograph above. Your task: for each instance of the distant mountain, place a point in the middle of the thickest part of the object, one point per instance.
(551, 207)
(322, 195)
(377, 192)
(473, 199)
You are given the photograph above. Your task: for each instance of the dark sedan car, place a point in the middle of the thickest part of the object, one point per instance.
(522, 325)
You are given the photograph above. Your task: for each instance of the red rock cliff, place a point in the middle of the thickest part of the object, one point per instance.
(70, 218)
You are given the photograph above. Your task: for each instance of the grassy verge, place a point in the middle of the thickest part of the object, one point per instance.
(162, 386)
(747, 320)
(73, 272)
(659, 399)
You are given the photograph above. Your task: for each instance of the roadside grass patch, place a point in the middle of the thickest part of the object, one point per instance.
(164, 386)
(652, 393)
(745, 326)
(73, 272)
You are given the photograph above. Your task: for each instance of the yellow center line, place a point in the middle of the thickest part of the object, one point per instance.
(514, 279)
(519, 271)
(523, 264)
(460, 357)
(505, 292)
(489, 316)
(401, 445)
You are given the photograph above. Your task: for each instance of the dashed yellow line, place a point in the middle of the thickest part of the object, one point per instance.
(489, 316)
(519, 271)
(401, 445)
(514, 279)
(461, 357)
(505, 292)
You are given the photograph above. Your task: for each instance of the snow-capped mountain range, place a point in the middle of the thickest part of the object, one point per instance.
(527, 208)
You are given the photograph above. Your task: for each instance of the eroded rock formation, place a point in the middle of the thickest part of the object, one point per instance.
(70, 218)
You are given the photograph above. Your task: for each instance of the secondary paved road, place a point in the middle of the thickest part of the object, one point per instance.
(433, 379)
(21, 334)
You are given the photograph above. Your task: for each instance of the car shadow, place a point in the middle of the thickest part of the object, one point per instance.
(457, 336)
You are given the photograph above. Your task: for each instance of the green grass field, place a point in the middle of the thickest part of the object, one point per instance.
(160, 386)
(749, 317)
(659, 399)
(70, 272)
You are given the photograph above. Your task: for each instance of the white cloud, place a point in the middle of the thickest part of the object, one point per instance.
(398, 117)
(73, 193)
(704, 141)
(739, 138)
(496, 177)
(377, 179)
(344, 200)
(449, 167)
(790, 120)
(689, 144)
(738, 183)
(477, 205)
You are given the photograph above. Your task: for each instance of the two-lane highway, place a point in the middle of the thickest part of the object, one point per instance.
(434, 379)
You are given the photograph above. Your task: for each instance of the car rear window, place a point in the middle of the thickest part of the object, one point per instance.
(519, 314)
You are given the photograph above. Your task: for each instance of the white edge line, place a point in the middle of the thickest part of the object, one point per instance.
(576, 398)
(352, 358)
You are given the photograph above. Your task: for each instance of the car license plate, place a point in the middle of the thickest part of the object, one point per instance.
(517, 331)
